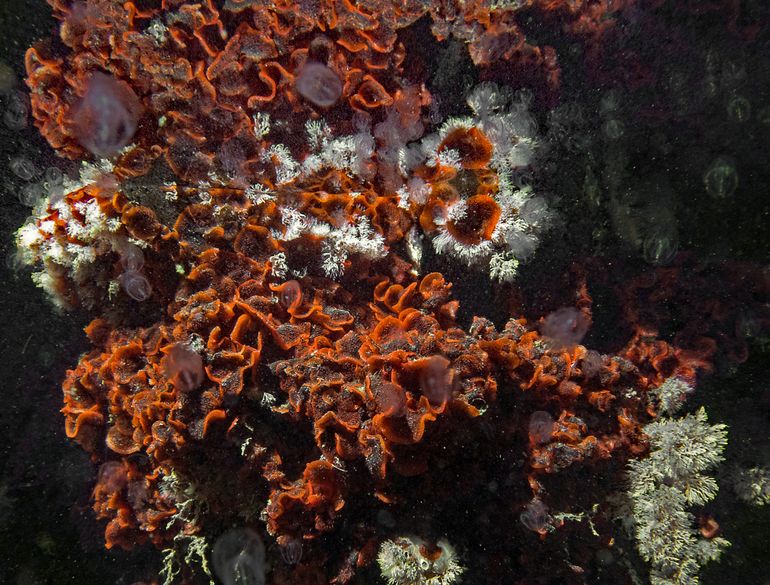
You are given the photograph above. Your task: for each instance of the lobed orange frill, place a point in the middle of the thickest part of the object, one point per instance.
(202, 71)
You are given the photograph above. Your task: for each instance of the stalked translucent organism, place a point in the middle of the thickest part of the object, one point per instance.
(106, 117)
(318, 84)
(721, 178)
(535, 516)
(436, 379)
(291, 551)
(661, 245)
(409, 560)
(738, 109)
(31, 194)
(540, 427)
(23, 168)
(184, 367)
(565, 327)
(131, 257)
(135, 285)
(16, 113)
(238, 557)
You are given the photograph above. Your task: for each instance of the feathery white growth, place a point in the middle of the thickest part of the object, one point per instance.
(671, 394)
(349, 153)
(158, 31)
(403, 197)
(662, 486)
(261, 124)
(258, 194)
(429, 147)
(445, 243)
(452, 124)
(414, 246)
(296, 223)
(359, 238)
(278, 267)
(91, 172)
(402, 562)
(418, 190)
(488, 99)
(318, 133)
(503, 267)
(449, 157)
(457, 211)
(286, 168)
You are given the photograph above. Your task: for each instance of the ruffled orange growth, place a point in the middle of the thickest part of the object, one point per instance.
(313, 501)
(130, 502)
(474, 147)
(381, 379)
(479, 221)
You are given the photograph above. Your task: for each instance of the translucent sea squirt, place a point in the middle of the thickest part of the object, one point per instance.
(184, 367)
(238, 557)
(135, 285)
(319, 85)
(106, 118)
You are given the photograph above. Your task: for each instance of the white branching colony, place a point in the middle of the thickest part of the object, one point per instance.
(664, 485)
(387, 154)
(89, 233)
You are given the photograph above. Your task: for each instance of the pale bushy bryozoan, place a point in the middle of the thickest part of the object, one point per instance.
(402, 563)
(664, 485)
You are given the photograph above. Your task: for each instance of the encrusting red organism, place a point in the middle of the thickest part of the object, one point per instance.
(267, 350)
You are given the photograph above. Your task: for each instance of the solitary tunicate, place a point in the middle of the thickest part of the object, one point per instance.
(738, 109)
(238, 557)
(763, 116)
(540, 427)
(535, 516)
(721, 178)
(23, 168)
(131, 257)
(319, 84)
(184, 366)
(135, 285)
(17, 111)
(7, 78)
(660, 246)
(54, 177)
(30, 194)
(106, 117)
(612, 129)
(565, 327)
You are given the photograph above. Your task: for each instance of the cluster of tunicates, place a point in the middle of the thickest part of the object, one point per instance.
(36, 188)
(610, 112)
(133, 281)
